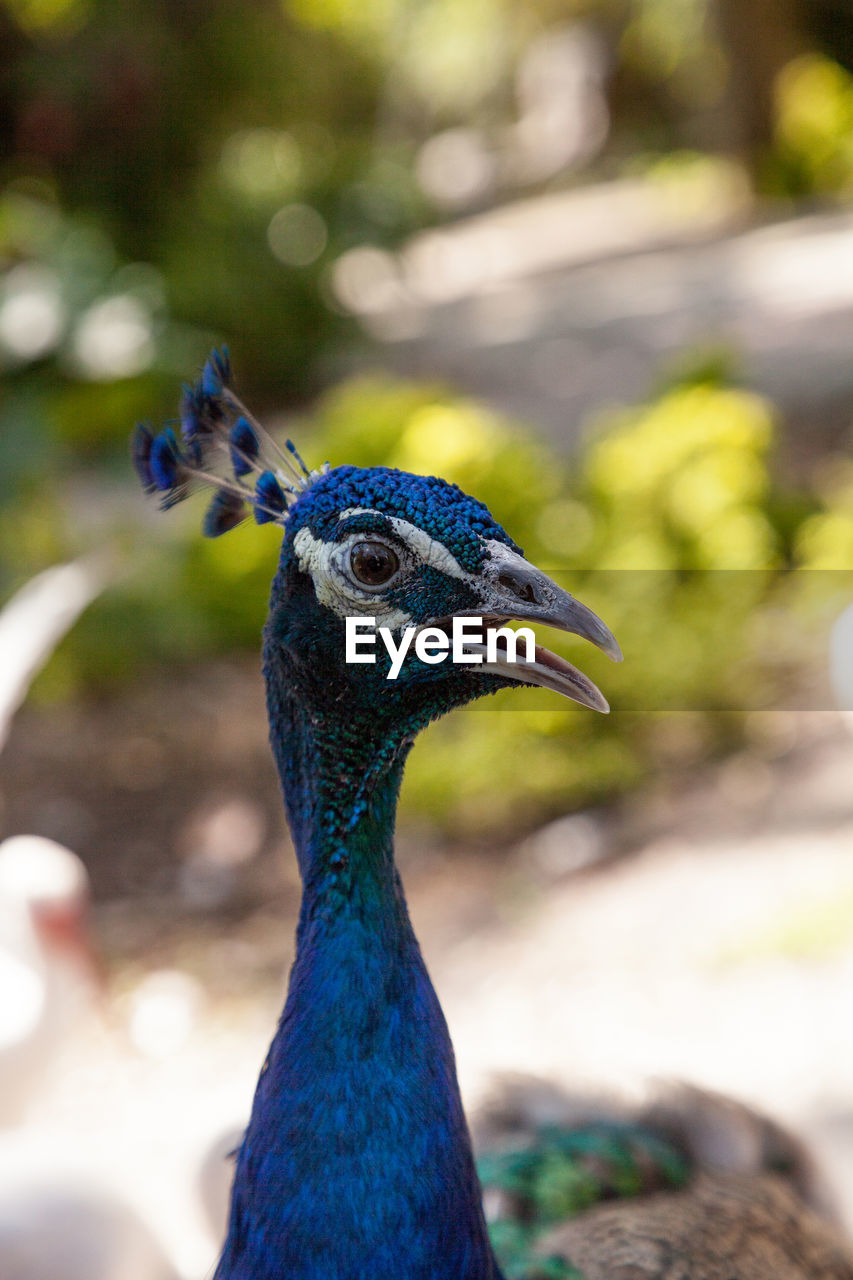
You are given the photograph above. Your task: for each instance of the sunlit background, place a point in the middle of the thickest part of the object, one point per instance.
(591, 259)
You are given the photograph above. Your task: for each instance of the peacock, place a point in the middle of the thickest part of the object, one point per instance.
(357, 1160)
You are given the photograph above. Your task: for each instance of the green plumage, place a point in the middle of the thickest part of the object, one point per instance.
(560, 1173)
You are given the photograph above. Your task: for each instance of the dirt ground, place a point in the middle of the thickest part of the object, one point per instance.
(554, 309)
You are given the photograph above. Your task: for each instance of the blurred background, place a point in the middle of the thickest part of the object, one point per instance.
(591, 259)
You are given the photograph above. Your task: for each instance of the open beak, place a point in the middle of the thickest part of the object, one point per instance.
(516, 591)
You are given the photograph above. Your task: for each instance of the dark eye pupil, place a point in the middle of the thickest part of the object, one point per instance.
(373, 563)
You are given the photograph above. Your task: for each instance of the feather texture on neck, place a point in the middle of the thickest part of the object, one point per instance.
(357, 1161)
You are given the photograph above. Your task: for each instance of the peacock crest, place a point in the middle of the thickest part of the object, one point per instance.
(221, 446)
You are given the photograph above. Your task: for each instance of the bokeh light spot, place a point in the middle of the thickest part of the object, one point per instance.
(297, 235)
(114, 338)
(32, 314)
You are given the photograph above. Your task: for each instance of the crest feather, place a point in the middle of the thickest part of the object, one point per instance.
(222, 446)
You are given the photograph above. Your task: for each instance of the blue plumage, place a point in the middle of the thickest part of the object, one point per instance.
(270, 502)
(245, 446)
(357, 1162)
(165, 461)
(222, 445)
(291, 448)
(216, 373)
(220, 360)
(442, 510)
(225, 512)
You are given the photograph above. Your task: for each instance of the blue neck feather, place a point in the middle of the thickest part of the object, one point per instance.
(357, 1162)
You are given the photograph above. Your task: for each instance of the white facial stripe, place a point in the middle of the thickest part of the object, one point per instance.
(424, 549)
(333, 590)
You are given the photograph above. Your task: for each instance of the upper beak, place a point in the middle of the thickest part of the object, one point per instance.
(516, 590)
(531, 596)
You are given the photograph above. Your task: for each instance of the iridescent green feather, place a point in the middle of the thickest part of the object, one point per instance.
(561, 1173)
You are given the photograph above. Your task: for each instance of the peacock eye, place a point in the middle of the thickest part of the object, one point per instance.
(373, 563)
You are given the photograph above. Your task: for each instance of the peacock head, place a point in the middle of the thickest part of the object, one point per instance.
(385, 577)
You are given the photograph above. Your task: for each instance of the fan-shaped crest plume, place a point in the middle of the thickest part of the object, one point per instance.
(223, 446)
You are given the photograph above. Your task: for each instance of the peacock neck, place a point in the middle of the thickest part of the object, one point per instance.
(357, 1161)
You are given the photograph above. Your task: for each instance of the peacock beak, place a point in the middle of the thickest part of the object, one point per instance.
(513, 590)
(521, 591)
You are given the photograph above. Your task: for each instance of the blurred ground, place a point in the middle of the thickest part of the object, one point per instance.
(703, 932)
(554, 308)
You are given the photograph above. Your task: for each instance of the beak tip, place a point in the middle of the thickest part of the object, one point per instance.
(608, 644)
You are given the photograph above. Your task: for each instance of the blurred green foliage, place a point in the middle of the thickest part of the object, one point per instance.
(183, 173)
(172, 175)
(814, 128)
(176, 174)
(652, 528)
(669, 525)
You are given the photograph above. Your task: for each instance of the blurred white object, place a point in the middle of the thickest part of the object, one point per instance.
(46, 966)
(164, 1010)
(457, 167)
(841, 660)
(564, 120)
(33, 316)
(54, 1233)
(215, 1176)
(35, 620)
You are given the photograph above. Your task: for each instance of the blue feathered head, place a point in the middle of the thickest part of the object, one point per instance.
(412, 552)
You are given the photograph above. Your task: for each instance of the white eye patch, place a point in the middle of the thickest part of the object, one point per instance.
(327, 562)
(424, 549)
(328, 565)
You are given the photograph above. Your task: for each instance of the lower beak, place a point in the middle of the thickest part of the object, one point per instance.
(547, 669)
(550, 671)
